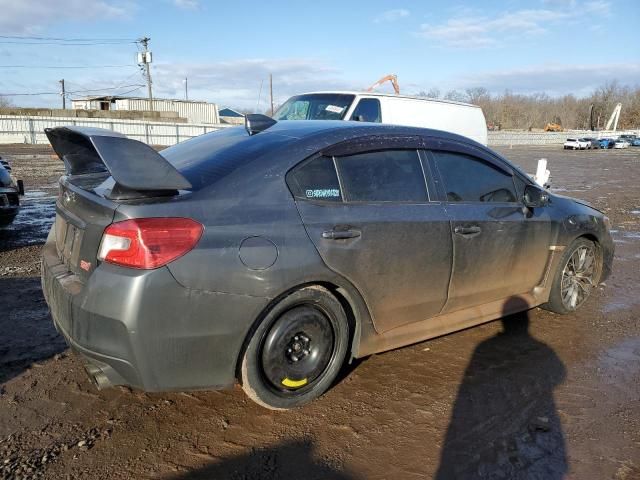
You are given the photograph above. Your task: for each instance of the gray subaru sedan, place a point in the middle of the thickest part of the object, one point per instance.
(273, 254)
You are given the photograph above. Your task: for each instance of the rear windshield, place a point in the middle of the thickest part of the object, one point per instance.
(571, 139)
(205, 159)
(315, 106)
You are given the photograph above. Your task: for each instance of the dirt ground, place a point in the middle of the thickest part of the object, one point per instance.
(536, 396)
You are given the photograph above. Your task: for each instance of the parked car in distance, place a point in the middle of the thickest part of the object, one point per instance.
(622, 143)
(593, 142)
(576, 144)
(628, 137)
(635, 142)
(455, 117)
(10, 192)
(273, 254)
(607, 142)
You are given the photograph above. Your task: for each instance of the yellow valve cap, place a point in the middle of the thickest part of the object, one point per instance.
(287, 382)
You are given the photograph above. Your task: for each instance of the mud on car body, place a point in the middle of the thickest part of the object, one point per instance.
(10, 192)
(272, 254)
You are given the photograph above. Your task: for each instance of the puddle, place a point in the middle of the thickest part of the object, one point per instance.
(32, 224)
(614, 307)
(622, 358)
(37, 195)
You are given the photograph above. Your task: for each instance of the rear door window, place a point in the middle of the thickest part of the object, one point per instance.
(469, 179)
(383, 176)
(367, 110)
(316, 179)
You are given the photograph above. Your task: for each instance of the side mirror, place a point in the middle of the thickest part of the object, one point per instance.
(358, 118)
(535, 196)
(20, 187)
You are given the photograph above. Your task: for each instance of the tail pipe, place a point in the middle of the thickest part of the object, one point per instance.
(97, 376)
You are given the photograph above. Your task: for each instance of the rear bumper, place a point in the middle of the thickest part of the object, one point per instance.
(143, 329)
(8, 215)
(7, 212)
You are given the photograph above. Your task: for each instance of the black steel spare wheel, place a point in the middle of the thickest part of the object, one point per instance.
(297, 350)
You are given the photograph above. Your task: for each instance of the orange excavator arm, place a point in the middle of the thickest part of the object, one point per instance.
(388, 78)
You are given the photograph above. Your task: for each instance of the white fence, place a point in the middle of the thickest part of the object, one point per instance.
(15, 129)
(31, 129)
(502, 138)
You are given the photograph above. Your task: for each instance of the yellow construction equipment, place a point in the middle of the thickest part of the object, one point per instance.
(388, 78)
(553, 127)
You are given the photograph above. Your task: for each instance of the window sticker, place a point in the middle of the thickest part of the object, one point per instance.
(323, 193)
(334, 109)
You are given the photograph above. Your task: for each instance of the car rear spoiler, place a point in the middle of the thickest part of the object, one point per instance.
(132, 164)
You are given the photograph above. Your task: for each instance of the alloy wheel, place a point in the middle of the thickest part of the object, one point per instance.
(578, 277)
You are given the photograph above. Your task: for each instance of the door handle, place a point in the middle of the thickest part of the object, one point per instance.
(467, 231)
(340, 234)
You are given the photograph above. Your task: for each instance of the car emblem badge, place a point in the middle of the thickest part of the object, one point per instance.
(85, 265)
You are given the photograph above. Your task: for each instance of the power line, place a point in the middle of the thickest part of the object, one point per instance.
(68, 44)
(61, 39)
(137, 85)
(120, 85)
(67, 66)
(133, 90)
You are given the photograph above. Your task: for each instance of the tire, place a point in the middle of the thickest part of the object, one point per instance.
(297, 350)
(575, 278)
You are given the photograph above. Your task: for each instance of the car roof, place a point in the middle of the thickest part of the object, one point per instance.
(209, 157)
(308, 128)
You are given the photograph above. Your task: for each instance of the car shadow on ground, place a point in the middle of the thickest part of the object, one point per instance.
(504, 422)
(28, 334)
(288, 460)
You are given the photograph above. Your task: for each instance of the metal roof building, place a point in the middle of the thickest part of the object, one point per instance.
(193, 111)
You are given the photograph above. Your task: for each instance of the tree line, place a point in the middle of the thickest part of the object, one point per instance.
(527, 112)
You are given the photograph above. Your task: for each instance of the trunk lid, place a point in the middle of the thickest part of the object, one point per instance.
(81, 217)
(104, 168)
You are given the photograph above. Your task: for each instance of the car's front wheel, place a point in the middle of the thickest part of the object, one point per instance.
(577, 275)
(296, 352)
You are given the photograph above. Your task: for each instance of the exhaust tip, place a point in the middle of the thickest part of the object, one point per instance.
(97, 377)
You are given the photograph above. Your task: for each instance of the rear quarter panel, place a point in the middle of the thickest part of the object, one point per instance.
(250, 203)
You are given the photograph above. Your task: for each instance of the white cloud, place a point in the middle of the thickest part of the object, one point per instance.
(237, 83)
(391, 15)
(598, 7)
(31, 16)
(476, 31)
(187, 4)
(554, 79)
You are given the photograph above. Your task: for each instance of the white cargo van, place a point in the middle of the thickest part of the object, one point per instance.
(456, 117)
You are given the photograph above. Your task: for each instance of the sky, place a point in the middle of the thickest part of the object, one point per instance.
(228, 49)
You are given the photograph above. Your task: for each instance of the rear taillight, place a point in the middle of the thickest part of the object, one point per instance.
(148, 243)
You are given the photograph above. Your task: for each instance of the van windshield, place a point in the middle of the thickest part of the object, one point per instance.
(315, 106)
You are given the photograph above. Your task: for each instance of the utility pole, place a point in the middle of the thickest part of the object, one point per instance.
(271, 91)
(64, 95)
(145, 59)
(186, 88)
